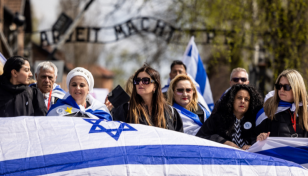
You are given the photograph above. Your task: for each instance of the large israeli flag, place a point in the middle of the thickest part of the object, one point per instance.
(291, 149)
(76, 146)
(195, 68)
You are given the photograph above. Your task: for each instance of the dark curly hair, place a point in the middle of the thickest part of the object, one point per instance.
(224, 110)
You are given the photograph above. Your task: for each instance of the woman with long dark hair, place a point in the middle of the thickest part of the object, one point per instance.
(233, 123)
(147, 104)
(16, 97)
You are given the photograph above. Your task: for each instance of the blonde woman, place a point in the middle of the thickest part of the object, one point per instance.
(285, 113)
(182, 95)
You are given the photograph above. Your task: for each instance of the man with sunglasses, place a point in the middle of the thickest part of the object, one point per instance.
(238, 76)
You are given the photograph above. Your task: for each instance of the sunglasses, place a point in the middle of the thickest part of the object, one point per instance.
(286, 87)
(181, 90)
(238, 79)
(143, 80)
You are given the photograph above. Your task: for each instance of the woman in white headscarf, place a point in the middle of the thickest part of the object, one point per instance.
(78, 102)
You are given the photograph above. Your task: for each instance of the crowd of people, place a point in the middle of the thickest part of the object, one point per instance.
(239, 119)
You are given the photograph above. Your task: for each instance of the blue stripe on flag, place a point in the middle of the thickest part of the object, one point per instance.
(144, 154)
(189, 52)
(201, 75)
(284, 104)
(259, 113)
(189, 114)
(296, 154)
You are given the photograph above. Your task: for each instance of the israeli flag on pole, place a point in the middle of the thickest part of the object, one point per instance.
(195, 68)
(76, 146)
(291, 149)
(2, 59)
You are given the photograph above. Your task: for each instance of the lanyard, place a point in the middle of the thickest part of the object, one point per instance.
(49, 98)
(293, 120)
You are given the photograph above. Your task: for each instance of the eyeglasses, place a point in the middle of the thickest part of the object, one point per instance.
(144, 80)
(238, 79)
(286, 87)
(181, 90)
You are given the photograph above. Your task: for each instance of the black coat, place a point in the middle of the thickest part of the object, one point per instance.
(213, 130)
(200, 113)
(20, 100)
(121, 114)
(281, 126)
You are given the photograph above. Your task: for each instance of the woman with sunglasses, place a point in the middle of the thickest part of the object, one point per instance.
(147, 104)
(285, 110)
(182, 95)
(233, 123)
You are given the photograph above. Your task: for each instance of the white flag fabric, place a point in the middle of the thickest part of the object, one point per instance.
(76, 146)
(291, 149)
(191, 121)
(100, 94)
(195, 68)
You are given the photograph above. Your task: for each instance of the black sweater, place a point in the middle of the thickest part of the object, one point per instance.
(214, 130)
(281, 126)
(173, 123)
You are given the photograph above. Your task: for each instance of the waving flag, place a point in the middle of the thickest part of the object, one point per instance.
(76, 146)
(291, 149)
(195, 68)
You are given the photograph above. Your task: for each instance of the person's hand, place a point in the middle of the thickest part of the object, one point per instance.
(108, 104)
(231, 144)
(263, 136)
(246, 147)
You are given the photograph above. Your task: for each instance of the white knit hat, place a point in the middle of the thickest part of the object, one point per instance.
(79, 71)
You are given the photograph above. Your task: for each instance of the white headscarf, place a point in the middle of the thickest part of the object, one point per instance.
(79, 71)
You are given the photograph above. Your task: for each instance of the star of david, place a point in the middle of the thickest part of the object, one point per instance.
(116, 136)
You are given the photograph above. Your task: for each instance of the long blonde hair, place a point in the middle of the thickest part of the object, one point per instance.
(299, 93)
(193, 104)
